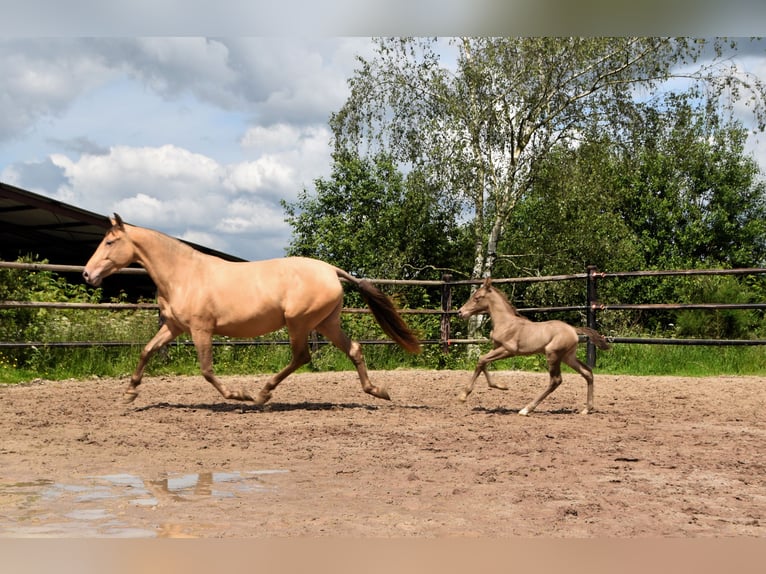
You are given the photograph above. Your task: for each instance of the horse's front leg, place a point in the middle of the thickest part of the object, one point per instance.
(163, 337)
(203, 342)
(481, 367)
(469, 387)
(503, 353)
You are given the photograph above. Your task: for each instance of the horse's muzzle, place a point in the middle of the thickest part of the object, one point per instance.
(90, 279)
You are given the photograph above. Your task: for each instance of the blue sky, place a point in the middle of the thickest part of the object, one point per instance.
(198, 137)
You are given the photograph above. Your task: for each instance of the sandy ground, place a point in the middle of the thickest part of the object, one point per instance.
(666, 456)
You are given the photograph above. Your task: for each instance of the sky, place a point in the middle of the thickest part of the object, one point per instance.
(198, 136)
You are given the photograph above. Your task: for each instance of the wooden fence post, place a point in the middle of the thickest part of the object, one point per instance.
(591, 295)
(446, 303)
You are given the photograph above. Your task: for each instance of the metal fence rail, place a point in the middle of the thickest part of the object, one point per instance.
(445, 310)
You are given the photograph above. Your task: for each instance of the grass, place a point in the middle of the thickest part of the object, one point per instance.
(630, 359)
(179, 359)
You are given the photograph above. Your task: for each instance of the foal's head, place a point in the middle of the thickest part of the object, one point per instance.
(480, 301)
(114, 252)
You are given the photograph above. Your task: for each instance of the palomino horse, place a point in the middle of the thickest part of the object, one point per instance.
(205, 295)
(514, 335)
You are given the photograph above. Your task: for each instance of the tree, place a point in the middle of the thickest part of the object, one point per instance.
(689, 192)
(373, 221)
(673, 189)
(477, 129)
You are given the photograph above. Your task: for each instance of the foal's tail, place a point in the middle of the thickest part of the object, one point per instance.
(596, 338)
(385, 313)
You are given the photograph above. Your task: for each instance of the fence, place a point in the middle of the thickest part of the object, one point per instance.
(591, 308)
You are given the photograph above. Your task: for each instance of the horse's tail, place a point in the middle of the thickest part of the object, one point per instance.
(596, 338)
(385, 313)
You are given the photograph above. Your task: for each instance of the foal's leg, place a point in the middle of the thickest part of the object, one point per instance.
(331, 329)
(481, 367)
(301, 356)
(572, 360)
(554, 369)
(203, 342)
(163, 337)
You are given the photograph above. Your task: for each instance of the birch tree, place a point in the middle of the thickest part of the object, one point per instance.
(478, 114)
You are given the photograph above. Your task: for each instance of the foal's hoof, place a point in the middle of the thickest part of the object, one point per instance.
(499, 386)
(587, 411)
(129, 396)
(463, 397)
(524, 412)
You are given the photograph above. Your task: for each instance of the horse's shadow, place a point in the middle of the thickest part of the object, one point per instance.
(515, 411)
(268, 407)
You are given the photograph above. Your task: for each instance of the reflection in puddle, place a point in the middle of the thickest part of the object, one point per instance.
(46, 508)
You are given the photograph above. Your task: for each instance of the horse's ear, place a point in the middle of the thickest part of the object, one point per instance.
(117, 221)
(487, 283)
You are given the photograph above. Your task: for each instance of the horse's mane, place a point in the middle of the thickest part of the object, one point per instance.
(171, 242)
(511, 306)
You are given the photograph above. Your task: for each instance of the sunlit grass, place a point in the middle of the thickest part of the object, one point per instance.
(180, 358)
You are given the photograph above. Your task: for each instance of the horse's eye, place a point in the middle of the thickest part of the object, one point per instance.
(108, 243)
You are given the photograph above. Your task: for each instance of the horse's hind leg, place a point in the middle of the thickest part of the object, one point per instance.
(300, 356)
(554, 370)
(203, 342)
(572, 360)
(163, 337)
(330, 328)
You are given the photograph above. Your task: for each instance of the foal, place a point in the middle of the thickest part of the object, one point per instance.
(514, 335)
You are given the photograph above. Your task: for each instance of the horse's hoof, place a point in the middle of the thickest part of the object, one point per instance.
(262, 398)
(380, 393)
(524, 412)
(462, 397)
(241, 395)
(129, 396)
(586, 411)
(499, 387)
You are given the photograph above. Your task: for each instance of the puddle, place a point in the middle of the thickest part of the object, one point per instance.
(100, 506)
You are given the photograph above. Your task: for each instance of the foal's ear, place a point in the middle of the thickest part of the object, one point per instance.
(117, 221)
(487, 283)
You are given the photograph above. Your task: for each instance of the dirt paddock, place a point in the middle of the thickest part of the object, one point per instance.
(662, 456)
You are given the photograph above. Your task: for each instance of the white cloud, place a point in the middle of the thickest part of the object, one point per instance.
(279, 137)
(246, 215)
(265, 175)
(304, 150)
(40, 80)
(231, 207)
(197, 137)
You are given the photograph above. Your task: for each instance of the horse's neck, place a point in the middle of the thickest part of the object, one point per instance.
(163, 257)
(502, 312)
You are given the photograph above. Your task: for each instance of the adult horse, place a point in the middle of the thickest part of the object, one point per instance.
(513, 334)
(205, 295)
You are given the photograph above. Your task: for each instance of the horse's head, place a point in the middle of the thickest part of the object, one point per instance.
(478, 302)
(114, 252)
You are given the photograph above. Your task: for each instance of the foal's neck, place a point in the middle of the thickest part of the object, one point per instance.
(501, 310)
